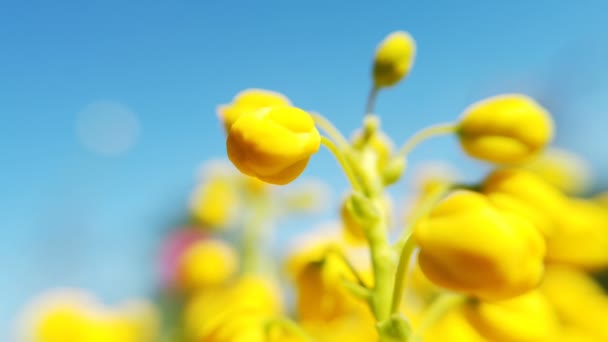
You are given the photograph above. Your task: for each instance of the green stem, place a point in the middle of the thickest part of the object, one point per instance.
(424, 134)
(402, 271)
(371, 100)
(252, 231)
(330, 130)
(384, 271)
(348, 170)
(348, 264)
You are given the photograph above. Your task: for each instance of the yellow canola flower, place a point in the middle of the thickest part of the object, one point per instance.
(75, 316)
(505, 129)
(526, 318)
(273, 144)
(207, 263)
(564, 170)
(526, 194)
(347, 328)
(247, 101)
(215, 202)
(394, 58)
(227, 314)
(467, 245)
(582, 236)
(579, 301)
(452, 326)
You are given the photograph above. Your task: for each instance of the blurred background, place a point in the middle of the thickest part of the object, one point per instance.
(108, 108)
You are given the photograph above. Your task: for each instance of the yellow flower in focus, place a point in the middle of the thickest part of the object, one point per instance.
(564, 170)
(247, 101)
(273, 144)
(579, 301)
(526, 194)
(529, 317)
(394, 58)
(468, 245)
(582, 236)
(505, 129)
(207, 263)
(215, 202)
(452, 326)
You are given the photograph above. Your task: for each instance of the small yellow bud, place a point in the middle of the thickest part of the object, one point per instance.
(467, 245)
(273, 144)
(394, 59)
(529, 317)
(206, 263)
(581, 238)
(357, 211)
(247, 101)
(526, 194)
(505, 129)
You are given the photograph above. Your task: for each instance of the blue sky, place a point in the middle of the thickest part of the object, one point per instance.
(72, 216)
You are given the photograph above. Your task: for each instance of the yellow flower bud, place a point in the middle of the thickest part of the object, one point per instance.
(581, 238)
(578, 300)
(247, 101)
(353, 225)
(273, 144)
(529, 317)
(206, 263)
(505, 129)
(526, 194)
(394, 59)
(468, 245)
(564, 170)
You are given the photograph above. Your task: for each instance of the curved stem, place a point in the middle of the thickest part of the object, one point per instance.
(330, 130)
(371, 100)
(402, 270)
(348, 171)
(425, 134)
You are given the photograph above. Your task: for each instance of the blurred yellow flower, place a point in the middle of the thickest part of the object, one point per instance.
(564, 170)
(452, 326)
(468, 245)
(579, 301)
(581, 238)
(273, 144)
(505, 129)
(247, 101)
(215, 202)
(394, 58)
(526, 194)
(207, 263)
(526, 318)
(75, 316)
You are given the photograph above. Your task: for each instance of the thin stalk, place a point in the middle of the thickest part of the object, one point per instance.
(348, 170)
(371, 100)
(424, 134)
(329, 129)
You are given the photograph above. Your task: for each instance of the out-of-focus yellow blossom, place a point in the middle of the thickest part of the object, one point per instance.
(452, 326)
(273, 144)
(529, 317)
(564, 170)
(215, 202)
(468, 245)
(74, 316)
(582, 236)
(247, 101)
(347, 328)
(379, 143)
(394, 58)
(579, 301)
(206, 263)
(229, 313)
(505, 129)
(352, 227)
(526, 194)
